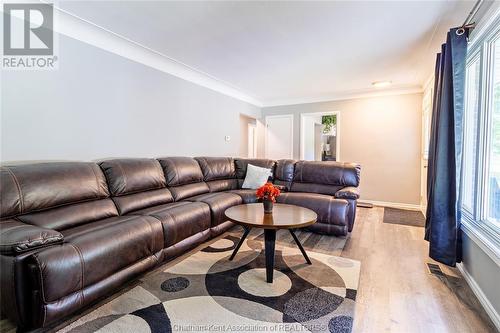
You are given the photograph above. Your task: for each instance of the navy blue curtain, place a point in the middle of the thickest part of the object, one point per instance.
(442, 228)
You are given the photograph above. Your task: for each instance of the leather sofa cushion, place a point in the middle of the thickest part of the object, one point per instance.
(136, 183)
(10, 198)
(351, 213)
(94, 251)
(248, 196)
(328, 209)
(189, 190)
(70, 216)
(218, 173)
(314, 188)
(218, 203)
(214, 168)
(348, 193)
(184, 177)
(327, 173)
(328, 229)
(14, 293)
(242, 163)
(136, 201)
(45, 314)
(181, 170)
(132, 175)
(35, 187)
(284, 173)
(17, 237)
(222, 185)
(180, 220)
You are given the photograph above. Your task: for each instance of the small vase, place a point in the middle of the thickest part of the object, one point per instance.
(268, 206)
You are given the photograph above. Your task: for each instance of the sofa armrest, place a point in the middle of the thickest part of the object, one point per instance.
(282, 188)
(18, 237)
(349, 192)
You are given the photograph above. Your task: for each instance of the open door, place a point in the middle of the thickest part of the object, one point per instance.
(320, 136)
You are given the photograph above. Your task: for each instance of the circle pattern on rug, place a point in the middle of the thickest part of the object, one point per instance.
(175, 284)
(311, 304)
(308, 295)
(254, 282)
(340, 324)
(222, 244)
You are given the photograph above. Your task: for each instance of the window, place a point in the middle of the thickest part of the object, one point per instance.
(481, 149)
(493, 202)
(470, 133)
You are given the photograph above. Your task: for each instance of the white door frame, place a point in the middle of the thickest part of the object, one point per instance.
(291, 133)
(302, 130)
(252, 128)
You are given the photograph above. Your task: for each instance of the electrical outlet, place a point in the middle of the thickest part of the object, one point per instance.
(227, 138)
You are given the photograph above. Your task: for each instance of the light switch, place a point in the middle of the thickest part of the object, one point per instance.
(227, 138)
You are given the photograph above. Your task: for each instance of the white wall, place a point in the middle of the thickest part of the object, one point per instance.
(98, 104)
(383, 134)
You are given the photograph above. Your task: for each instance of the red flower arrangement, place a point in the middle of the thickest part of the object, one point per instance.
(268, 192)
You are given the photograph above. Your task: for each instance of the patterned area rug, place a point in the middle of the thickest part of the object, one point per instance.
(208, 293)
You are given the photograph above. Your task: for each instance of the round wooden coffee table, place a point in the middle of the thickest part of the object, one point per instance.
(283, 217)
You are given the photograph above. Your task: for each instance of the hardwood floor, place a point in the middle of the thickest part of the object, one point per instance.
(397, 292)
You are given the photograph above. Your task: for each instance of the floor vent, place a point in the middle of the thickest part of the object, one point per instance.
(435, 269)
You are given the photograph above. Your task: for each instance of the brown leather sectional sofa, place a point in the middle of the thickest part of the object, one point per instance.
(74, 232)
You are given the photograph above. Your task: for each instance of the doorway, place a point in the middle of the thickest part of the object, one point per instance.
(248, 137)
(252, 140)
(279, 136)
(320, 136)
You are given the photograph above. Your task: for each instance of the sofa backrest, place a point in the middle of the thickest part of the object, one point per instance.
(184, 177)
(136, 183)
(241, 165)
(284, 173)
(324, 177)
(55, 195)
(218, 172)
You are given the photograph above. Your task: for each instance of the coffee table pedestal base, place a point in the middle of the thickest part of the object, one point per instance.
(270, 242)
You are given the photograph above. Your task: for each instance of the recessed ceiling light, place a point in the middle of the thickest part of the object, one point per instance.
(381, 84)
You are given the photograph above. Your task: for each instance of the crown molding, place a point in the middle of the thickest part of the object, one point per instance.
(78, 28)
(345, 96)
(88, 32)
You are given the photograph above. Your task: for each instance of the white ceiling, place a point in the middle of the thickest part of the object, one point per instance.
(287, 52)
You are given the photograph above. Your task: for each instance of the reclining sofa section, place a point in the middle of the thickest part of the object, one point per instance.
(72, 233)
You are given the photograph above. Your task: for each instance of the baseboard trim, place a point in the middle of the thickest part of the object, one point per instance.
(423, 209)
(392, 204)
(488, 307)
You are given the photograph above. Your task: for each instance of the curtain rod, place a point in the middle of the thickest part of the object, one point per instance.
(468, 21)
